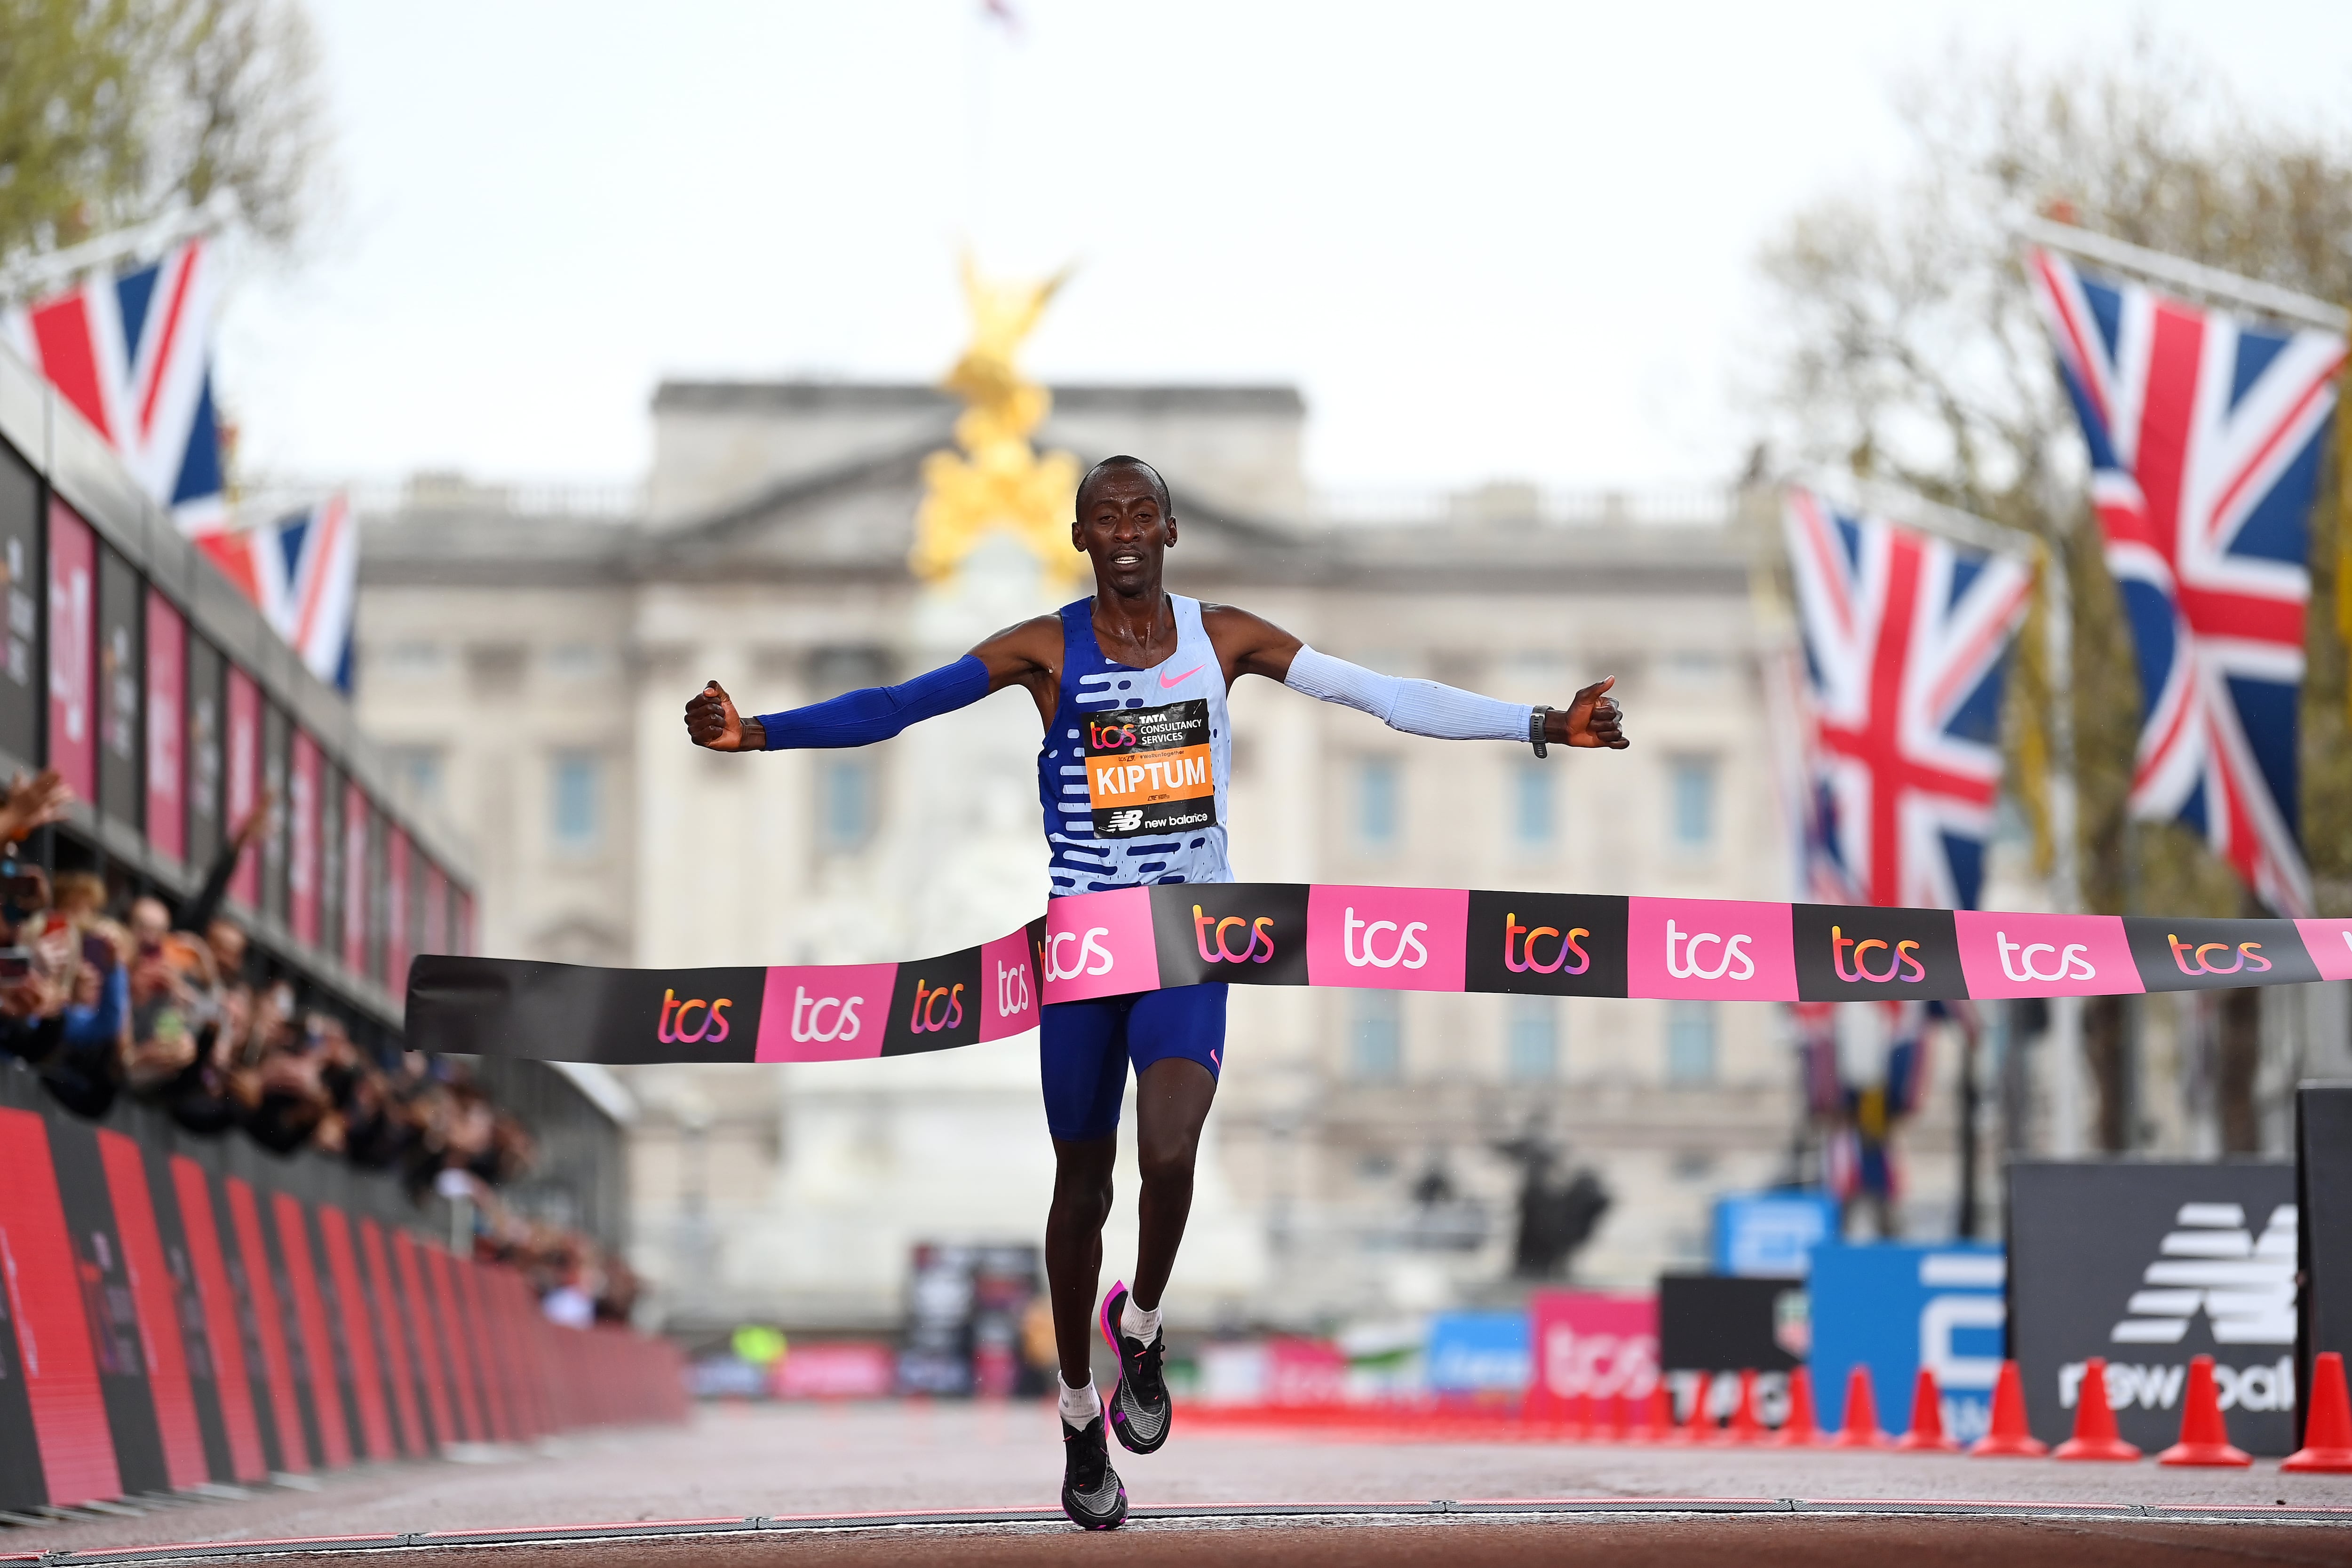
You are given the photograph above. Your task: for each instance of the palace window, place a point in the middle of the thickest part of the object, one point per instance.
(575, 800)
(1379, 802)
(1531, 804)
(844, 804)
(1690, 1042)
(420, 767)
(1531, 1040)
(1376, 1036)
(1690, 804)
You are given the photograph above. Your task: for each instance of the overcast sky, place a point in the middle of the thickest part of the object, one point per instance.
(1484, 239)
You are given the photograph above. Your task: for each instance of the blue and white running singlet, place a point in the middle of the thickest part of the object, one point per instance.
(1133, 769)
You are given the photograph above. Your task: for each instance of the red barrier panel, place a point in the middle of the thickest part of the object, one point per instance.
(330, 1424)
(424, 1338)
(455, 1352)
(165, 1351)
(67, 1410)
(397, 1371)
(522, 1324)
(156, 1332)
(232, 1382)
(282, 1436)
(487, 1363)
(359, 1333)
(107, 1306)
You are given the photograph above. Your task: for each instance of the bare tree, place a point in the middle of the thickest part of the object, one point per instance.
(114, 112)
(1908, 350)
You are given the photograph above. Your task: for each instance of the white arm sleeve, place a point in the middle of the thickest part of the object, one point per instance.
(1416, 707)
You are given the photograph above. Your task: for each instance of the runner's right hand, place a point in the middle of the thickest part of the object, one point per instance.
(712, 719)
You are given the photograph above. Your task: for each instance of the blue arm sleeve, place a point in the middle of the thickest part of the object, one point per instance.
(878, 713)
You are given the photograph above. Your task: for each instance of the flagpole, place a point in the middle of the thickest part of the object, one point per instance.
(32, 275)
(2065, 883)
(2210, 280)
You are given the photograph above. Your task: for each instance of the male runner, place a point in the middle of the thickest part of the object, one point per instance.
(1162, 665)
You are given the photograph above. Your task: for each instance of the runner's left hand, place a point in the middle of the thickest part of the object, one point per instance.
(1592, 719)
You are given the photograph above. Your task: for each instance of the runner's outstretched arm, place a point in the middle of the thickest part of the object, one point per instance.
(1020, 655)
(1253, 646)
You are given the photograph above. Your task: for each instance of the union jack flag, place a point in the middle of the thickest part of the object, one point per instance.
(1906, 640)
(132, 352)
(303, 572)
(2206, 435)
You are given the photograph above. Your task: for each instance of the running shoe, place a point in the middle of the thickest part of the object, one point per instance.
(1138, 1402)
(1092, 1494)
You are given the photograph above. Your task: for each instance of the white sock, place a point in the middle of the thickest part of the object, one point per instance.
(1080, 1404)
(1137, 1324)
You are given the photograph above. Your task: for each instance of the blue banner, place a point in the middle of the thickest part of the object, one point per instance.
(1772, 1233)
(1893, 1307)
(1478, 1353)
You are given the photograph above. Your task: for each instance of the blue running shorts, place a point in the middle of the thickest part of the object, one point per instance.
(1084, 1049)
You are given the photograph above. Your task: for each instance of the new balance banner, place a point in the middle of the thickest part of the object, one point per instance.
(165, 1322)
(2148, 1264)
(2323, 1128)
(1382, 938)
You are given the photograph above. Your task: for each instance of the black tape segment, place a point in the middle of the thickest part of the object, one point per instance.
(2175, 954)
(1547, 944)
(935, 1005)
(570, 1012)
(1855, 952)
(1242, 932)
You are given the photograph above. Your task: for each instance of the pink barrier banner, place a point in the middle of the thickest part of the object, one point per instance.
(1590, 1345)
(1139, 939)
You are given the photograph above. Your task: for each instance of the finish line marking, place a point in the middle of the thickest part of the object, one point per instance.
(1530, 1508)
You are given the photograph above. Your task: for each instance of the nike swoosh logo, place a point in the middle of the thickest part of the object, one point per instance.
(1167, 685)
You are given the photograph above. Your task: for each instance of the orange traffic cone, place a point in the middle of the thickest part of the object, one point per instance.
(2204, 1440)
(1927, 1433)
(1743, 1430)
(1579, 1425)
(1860, 1429)
(2328, 1427)
(2008, 1439)
(1621, 1420)
(2095, 1422)
(1658, 1416)
(1801, 1429)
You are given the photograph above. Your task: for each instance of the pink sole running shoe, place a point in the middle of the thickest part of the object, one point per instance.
(1139, 1409)
(1092, 1494)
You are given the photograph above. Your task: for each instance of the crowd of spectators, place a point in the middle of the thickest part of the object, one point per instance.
(177, 1013)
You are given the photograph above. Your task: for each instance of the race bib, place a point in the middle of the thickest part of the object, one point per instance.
(1148, 771)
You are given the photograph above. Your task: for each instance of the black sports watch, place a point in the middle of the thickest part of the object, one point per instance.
(1536, 729)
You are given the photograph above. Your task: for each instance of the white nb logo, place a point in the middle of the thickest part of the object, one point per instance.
(1126, 821)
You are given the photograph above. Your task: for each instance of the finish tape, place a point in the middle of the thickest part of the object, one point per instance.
(1382, 938)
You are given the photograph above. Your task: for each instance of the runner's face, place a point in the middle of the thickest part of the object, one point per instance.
(1121, 528)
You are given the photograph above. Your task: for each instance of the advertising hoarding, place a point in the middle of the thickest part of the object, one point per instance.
(1895, 1308)
(2148, 1263)
(1771, 1234)
(1589, 1344)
